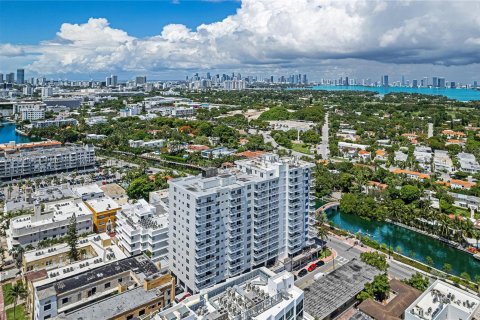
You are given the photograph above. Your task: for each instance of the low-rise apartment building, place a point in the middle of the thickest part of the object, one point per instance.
(257, 295)
(54, 123)
(73, 292)
(141, 227)
(49, 220)
(442, 162)
(104, 211)
(466, 201)
(146, 144)
(24, 160)
(468, 163)
(443, 301)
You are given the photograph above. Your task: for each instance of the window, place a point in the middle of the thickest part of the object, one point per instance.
(120, 280)
(65, 300)
(47, 317)
(107, 285)
(47, 307)
(141, 312)
(130, 316)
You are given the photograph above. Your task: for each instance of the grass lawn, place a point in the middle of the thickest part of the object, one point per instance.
(462, 212)
(5, 288)
(303, 148)
(19, 313)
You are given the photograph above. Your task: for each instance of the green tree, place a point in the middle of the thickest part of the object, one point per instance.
(349, 203)
(376, 259)
(275, 113)
(15, 293)
(465, 276)
(418, 281)
(429, 261)
(140, 188)
(72, 238)
(409, 193)
(447, 267)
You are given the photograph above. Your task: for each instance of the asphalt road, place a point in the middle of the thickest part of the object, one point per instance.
(345, 253)
(323, 148)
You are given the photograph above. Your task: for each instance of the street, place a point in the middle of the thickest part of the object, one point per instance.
(345, 253)
(323, 146)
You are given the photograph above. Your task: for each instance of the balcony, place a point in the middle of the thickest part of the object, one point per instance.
(203, 270)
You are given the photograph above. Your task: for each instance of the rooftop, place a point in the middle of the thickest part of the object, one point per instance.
(244, 297)
(53, 212)
(444, 301)
(139, 265)
(394, 309)
(102, 204)
(85, 190)
(98, 253)
(113, 306)
(332, 291)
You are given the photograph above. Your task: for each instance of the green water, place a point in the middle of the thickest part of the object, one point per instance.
(413, 244)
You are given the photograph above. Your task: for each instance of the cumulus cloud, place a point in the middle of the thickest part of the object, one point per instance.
(276, 34)
(10, 50)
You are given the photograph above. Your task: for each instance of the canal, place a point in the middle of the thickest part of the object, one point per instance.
(8, 133)
(412, 244)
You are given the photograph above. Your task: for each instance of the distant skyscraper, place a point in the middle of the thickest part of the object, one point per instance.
(441, 82)
(305, 79)
(271, 79)
(435, 82)
(20, 76)
(1, 77)
(453, 85)
(414, 83)
(475, 84)
(143, 79)
(403, 81)
(10, 77)
(347, 81)
(108, 81)
(385, 81)
(425, 82)
(114, 80)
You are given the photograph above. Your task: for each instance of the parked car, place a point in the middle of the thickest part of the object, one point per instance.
(302, 272)
(318, 276)
(319, 263)
(312, 267)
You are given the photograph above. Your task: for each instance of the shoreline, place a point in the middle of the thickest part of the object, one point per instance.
(452, 244)
(20, 132)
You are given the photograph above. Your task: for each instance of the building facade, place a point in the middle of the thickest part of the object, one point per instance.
(223, 224)
(141, 227)
(19, 161)
(48, 221)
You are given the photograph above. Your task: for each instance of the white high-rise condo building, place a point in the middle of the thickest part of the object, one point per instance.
(226, 223)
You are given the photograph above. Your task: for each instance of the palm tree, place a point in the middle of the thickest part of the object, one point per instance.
(15, 293)
(322, 232)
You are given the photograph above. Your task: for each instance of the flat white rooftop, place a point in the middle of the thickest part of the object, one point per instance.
(103, 204)
(53, 212)
(443, 301)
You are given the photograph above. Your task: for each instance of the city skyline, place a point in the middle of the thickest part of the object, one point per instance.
(169, 40)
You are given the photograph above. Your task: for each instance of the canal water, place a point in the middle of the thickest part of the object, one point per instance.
(412, 244)
(8, 133)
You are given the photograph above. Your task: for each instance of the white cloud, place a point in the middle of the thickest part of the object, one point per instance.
(275, 34)
(10, 50)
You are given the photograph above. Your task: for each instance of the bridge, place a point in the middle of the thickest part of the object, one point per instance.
(327, 206)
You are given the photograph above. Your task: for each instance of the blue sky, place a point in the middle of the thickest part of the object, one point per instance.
(172, 39)
(29, 22)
